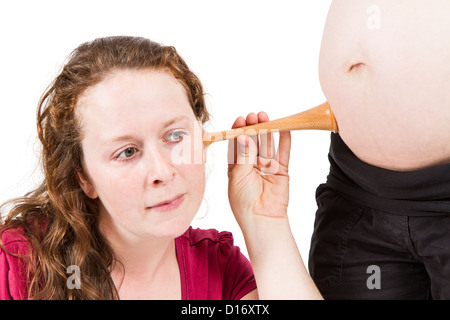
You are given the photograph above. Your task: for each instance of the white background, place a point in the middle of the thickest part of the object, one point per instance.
(250, 56)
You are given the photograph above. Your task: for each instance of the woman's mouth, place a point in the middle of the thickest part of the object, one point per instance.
(168, 205)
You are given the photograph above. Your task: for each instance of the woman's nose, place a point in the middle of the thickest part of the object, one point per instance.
(160, 169)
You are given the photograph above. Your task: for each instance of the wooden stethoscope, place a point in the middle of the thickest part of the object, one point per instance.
(317, 118)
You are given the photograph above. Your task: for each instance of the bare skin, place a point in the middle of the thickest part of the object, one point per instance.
(384, 69)
(133, 121)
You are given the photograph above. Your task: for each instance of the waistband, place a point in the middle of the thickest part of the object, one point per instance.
(424, 192)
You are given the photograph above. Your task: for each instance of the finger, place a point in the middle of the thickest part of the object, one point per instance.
(232, 143)
(247, 152)
(266, 146)
(239, 122)
(284, 149)
(252, 118)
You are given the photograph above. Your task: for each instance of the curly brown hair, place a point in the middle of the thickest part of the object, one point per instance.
(57, 218)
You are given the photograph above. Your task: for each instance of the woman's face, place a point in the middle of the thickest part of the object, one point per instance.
(143, 153)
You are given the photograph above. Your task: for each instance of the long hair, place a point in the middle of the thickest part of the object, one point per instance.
(58, 220)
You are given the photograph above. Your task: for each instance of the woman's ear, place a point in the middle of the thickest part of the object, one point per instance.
(85, 184)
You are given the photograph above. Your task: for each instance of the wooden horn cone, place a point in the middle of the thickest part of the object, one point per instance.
(317, 118)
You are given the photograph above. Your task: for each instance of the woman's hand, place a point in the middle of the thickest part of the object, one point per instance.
(258, 177)
(258, 191)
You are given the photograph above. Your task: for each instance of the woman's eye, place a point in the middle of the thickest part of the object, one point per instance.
(127, 153)
(175, 136)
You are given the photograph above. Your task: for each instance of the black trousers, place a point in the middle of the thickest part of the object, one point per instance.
(381, 234)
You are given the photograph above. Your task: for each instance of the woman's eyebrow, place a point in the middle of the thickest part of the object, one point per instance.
(118, 139)
(163, 125)
(172, 121)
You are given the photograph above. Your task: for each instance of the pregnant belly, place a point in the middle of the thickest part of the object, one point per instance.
(385, 70)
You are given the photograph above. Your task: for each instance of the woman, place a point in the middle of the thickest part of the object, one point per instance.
(111, 219)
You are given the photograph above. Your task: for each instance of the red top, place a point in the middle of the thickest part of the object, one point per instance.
(211, 267)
